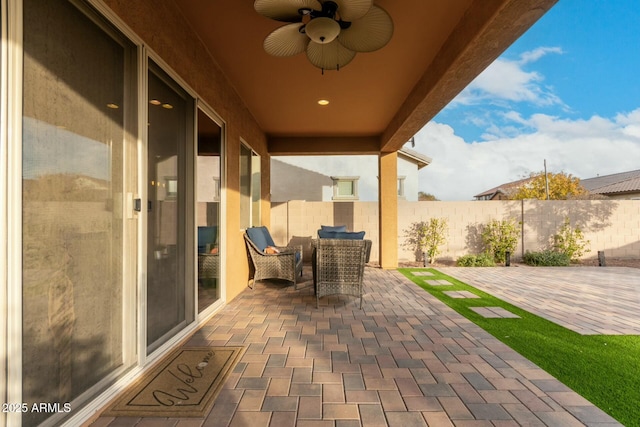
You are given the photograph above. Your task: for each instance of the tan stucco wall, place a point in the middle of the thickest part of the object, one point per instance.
(179, 47)
(611, 226)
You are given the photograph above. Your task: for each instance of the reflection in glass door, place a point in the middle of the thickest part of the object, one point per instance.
(208, 210)
(75, 135)
(170, 122)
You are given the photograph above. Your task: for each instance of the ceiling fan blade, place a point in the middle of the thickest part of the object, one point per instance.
(286, 41)
(329, 56)
(369, 33)
(350, 10)
(284, 10)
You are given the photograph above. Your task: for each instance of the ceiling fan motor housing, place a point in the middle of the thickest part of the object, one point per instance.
(331, 36)
(329, 9)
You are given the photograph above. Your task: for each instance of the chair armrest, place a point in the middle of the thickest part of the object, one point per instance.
(289, 249)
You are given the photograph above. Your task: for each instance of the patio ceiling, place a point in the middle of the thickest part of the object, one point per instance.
(380, 99)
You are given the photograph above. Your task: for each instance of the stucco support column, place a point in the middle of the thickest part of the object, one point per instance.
(388, 209)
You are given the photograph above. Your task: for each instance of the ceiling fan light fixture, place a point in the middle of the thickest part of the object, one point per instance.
(322, 30)
(331, 32)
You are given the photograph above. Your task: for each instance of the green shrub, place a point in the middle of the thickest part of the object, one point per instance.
(427, 237)
(500, 237)
(570, 241)
(547, 258)
(481, 260)
(433, 237)
(466, 261)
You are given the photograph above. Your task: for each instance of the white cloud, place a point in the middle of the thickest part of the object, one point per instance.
(631, 123)
(583, 148)
(506, 81)
(535, 54)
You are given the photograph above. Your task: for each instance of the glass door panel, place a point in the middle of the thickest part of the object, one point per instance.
(208, 210)
(74, 130)
(170, 121)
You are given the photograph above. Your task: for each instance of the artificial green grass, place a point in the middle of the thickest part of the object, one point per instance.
(604, 369)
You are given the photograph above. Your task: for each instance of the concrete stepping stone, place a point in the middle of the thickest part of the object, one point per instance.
(461, 294)
(494, 313)
(439, 282)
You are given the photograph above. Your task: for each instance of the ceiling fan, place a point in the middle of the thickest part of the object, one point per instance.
(330, 32)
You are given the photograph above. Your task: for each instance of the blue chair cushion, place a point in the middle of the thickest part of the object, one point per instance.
(357, 235)
(260, 237)
(206, 236)
(333, 227)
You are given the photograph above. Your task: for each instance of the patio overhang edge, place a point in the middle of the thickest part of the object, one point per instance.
(486, 30)
(291, 145)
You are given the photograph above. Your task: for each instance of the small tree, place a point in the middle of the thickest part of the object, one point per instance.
(562, 186)
(422, 197)
(427, 237)
(500, 237)
(570, 241)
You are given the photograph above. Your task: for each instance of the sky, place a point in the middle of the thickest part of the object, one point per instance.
(567, 91)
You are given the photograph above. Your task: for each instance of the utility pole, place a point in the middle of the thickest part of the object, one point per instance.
(546, 179)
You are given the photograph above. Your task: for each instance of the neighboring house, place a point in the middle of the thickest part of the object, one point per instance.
(501, 192)
(624, 185)
(341, 178)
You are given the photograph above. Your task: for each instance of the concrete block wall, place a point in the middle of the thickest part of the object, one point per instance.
(298, 221)
(464, 220)
(612, 226)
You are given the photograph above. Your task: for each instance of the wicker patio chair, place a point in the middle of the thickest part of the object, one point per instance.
(208, 260)
(285, 265)
(339, 267)
(208, 269)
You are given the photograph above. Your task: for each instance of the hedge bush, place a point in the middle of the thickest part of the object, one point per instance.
(481, 260)
(547, 258)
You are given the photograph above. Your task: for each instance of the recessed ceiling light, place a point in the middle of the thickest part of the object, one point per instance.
(155, 102)
(112, 106)
(323, 102)
(167, 106)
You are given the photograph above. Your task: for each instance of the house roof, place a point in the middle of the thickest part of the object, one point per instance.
(624, 182)
(420, 159)
(503, 188)
(380, 99)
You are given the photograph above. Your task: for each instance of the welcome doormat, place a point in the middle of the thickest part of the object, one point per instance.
(184, 384)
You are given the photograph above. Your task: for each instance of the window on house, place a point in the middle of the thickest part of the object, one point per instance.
(345, 187)
(171, 187)
(215, 190)
(401, 193)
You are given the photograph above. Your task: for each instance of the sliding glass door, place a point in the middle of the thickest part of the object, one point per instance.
(79, 98)
(170, 193)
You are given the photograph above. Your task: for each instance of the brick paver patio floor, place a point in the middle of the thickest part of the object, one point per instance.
(587, 300)
(404, 360)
